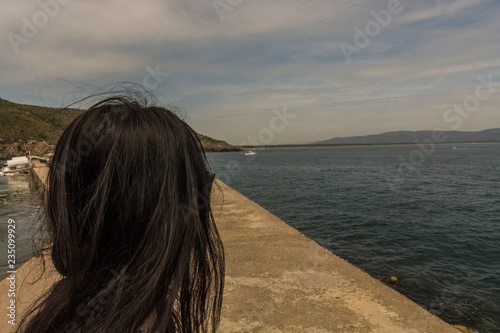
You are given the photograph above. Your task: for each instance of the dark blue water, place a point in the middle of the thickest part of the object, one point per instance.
(431, 219)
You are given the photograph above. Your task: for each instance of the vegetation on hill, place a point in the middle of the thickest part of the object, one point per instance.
(214, 145)
(38, 128)
(404, 137)
(29, 122)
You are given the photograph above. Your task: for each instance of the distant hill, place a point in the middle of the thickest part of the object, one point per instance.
(27, 126)
(25, 122)
(490, 135)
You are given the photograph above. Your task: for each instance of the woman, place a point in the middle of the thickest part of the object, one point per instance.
(132, 233)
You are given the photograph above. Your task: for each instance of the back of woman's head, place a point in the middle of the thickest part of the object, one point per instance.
(128, 212)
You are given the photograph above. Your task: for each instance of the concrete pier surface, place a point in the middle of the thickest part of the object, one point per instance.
(277, 280)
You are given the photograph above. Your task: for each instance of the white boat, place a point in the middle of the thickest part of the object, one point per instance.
(16, 165)
(15, 161)
(2, 174)
(250, 153)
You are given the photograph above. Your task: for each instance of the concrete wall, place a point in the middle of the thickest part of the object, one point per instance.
(278, 280)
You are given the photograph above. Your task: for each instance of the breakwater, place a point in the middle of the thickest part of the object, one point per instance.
(277, 280)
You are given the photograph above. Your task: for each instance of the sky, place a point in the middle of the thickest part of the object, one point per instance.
(266, 72)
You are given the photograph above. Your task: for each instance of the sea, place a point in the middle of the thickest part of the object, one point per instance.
(428, 215)
(19, 202)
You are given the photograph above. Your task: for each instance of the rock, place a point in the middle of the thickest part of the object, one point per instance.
(389, 280)
(464, 329)
(9, 150)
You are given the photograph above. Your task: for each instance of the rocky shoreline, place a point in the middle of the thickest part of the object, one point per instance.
(221, 146)
(18, 148)
(42, 148)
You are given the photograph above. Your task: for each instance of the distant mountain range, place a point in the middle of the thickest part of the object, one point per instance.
(401, 137)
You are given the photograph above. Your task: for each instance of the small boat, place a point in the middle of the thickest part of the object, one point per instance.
(250, 153)
(16, 165)
(2, 174)
(22, 160)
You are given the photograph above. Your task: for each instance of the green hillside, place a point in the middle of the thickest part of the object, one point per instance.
(22, 123)
(25, 122)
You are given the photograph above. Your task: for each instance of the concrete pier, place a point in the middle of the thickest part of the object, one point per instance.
(277, 280)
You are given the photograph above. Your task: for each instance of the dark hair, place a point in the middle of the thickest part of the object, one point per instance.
(129, 216)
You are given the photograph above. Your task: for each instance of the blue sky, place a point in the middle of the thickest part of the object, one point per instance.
(233, 65)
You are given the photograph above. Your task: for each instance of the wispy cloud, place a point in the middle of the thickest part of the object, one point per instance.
(440, 9)
(230, 74)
